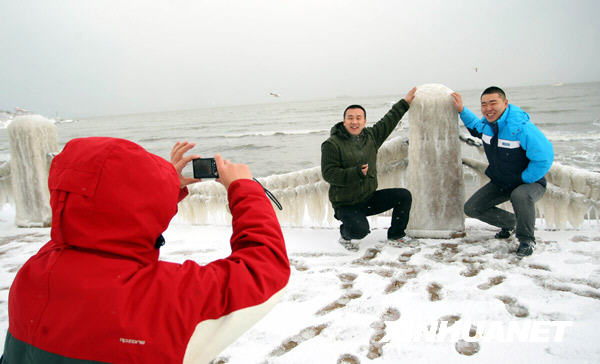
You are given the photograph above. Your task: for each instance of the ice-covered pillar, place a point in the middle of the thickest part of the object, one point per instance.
(31, 139)
(435, 176)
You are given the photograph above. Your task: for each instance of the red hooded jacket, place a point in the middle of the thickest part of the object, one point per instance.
(97, 291)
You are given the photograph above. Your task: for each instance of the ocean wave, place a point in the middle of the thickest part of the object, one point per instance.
(63, 121)
(154, 139)
(557, 111)
(585, 160)
(561, 123)
(271, 133)
(573, 137)
(5, 123)
(248, 147)
(244, 135)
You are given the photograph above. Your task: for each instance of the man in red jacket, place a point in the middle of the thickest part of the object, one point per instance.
(96, 292)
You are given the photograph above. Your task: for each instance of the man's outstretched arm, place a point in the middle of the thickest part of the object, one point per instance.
(384, 127)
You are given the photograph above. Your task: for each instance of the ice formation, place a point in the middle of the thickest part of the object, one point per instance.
(572, 195)
(6, 194)
(435, 176)
(302, 193)
(31, 138)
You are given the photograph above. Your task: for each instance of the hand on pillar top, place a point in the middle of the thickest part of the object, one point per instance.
(457, 101)
(410, 95)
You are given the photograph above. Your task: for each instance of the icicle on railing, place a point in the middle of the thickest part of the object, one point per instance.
(6, 195)
(573, 195)
(303, 194)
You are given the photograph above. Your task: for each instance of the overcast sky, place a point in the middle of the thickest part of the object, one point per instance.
(82, 58)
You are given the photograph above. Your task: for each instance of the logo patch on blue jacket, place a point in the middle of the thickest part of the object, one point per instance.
(509, 144)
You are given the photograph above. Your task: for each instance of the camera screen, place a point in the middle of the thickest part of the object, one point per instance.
(205, 168)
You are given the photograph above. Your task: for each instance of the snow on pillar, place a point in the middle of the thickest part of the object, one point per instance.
(435, 176)
(31, 138)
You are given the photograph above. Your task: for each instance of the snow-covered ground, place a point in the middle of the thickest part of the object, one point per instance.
(363, 307)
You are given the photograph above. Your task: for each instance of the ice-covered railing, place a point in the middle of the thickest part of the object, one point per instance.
(303, 194)
(572, 195)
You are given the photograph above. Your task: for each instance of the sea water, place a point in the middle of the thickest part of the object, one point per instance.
(285, 136)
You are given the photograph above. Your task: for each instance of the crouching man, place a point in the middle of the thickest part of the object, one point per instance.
(519, 157)
(97, 292)
(349, 165)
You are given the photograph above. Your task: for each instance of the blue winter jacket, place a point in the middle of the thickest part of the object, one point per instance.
(519, 154)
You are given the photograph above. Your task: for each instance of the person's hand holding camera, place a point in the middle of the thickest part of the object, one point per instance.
(179, 161)
(229, 172)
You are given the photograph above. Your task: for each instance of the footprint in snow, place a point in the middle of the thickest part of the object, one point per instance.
(347, 279)
(298, 265)
(450, 319)
(375, 343)
(434, 290)
(513, 307)
(347, 359)
(492, 281)
(305, 334)
(467, 348)
(340, 302)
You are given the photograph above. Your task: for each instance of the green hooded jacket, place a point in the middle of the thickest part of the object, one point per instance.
(343, 154)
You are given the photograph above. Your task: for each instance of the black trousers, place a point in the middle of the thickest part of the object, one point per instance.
(354, 217)
(482, 206)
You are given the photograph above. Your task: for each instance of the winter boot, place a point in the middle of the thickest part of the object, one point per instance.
(349, 244)
(525, 248)
(400, 242)
(505, 233)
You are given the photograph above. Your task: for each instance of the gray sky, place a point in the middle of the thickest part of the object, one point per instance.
(81, 58)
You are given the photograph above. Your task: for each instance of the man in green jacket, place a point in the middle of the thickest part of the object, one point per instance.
(349, 165)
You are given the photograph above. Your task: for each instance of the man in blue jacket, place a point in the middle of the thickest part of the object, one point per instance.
(519, 156)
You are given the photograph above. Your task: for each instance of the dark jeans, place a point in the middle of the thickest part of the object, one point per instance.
(482, 206)
(354, 217)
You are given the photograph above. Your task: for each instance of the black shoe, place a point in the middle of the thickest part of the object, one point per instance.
(525, 248)
(349, 244)
(505, 233)
(400, 242)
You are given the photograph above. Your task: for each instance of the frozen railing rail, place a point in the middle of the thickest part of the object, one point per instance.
(303, 193)
(572, 195)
